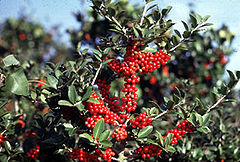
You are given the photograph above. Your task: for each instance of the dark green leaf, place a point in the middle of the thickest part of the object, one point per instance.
(199, 118)
(150, 49)
(153, 111)
(200, 103)
(160, 137)
(71, 132)
(149, 8)
(87, 136)
(3, 158)
(104, 135)
(148, 1)
(175, 98)
(207, 24)
(98, 128)
(107, 51)
(64, 103)
(178, 33)
(204, 129)
(72, 93)
(192, 119)
(170, 149)
(166, 10)
(136, 32)
(231, 74)
(52, 81)
(84, 51)
(79, 47)
(238, 74)
(206, 118)
(205, 18)
(222, 126)
(106, 144)
(185, 25)
(88, 93)
(193, 20)
(170, 104)
(186, 34)
(174, 40)
(58, 73)
(10, 60)
(17, 83)
(93, 100)
(7, 146)
(80, 107)
(145, 131)
(168, 139)
(96, 52)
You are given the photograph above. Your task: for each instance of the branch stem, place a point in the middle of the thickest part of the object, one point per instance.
(95, 77)
(144, 13)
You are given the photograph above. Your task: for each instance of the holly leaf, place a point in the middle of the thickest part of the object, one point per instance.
(64, 103)
(145, 131)
(10, 60)
(17, 83)
(87, 136)
(104, 135)
(98, 128)
(72, 94)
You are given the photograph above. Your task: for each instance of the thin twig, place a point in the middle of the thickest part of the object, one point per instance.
(159, 115)
(218, 102)
(167, 111)
(36, 81)
(95, 77)
(184, 39)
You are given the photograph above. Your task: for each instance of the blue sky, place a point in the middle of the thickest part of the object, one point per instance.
(59, 12)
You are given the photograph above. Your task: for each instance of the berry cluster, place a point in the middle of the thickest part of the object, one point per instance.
(187, 126)
(141, 121)
(104, 87)
(108, 156)
(99, 111)
(149, 151)
(34, 152)
(131, 96)
(120, 133)
(2, 138)
(137, 61)
(184, 127)
(78, 154)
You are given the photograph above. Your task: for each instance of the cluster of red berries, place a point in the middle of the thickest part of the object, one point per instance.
(120, 133)
(137, 61)
(149, 151)
(184, 127)
(99, 111)
(78, 154)
(41, 83)
(131, 96)
(141, 121)
(2, 139)
(108, 156)
(104, 87)
(34, 152)
(82, 155)
(187, 126)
